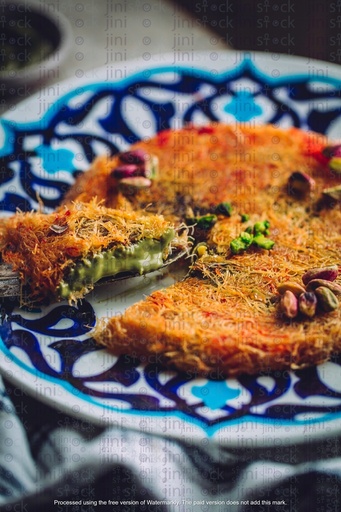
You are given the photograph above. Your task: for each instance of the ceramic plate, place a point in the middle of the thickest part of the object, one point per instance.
(50, 138)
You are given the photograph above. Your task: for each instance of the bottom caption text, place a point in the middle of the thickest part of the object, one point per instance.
(133, 503)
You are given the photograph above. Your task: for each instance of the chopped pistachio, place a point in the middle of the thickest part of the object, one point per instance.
(326, 299)
(244, 217)
(307, 303)
(253, 235)
(296, 288)
(223, 209)
(135, 156)
(333, 193)
(328, 273)
(125, 171)
(331, 285)
(152, 167)
(261, 227)
(57, 228)
(300, 184)
(200, 249)
(136, 162)
(237, 246)
(241, 243)
(263, 242)
(246, 238)
(335, 164)
(204, 222)
(190, 221)
(135, 183)
(331, 151)
(289, 304)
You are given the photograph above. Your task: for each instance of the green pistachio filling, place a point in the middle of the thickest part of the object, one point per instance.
(139, 258)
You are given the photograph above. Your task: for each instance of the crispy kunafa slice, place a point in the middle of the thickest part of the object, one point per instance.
(191, 170)
(264, 289)
(273, 303)
(217, 332)
(63, 254)
(262, 206)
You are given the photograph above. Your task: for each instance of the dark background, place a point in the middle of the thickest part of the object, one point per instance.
(307, 28)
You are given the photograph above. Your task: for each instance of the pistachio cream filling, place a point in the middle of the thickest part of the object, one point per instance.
(139, 258)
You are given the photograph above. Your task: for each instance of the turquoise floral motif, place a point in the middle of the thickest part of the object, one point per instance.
(76, 120)
(55, 160)
(144, 390)
(215, 394)
(243, 107)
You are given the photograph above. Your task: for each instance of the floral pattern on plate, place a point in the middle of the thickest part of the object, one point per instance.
(58, 344)
(43, 156)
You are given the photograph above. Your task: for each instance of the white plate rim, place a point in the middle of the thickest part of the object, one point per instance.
(9, 364)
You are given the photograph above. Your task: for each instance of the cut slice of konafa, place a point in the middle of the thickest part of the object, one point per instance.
(63, 254)
(197, 328)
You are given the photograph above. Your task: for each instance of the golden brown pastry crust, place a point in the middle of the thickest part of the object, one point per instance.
(42, 247)
(197, 328)
(226, 321)
(200, 167)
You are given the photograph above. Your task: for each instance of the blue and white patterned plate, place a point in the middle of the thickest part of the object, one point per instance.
(50, 138)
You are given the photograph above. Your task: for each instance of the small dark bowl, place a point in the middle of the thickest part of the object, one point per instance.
(33, 42)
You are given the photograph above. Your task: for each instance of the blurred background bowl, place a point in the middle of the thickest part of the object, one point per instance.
(34, 41)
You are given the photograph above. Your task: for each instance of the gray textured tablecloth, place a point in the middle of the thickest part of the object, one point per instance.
(53, 462)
